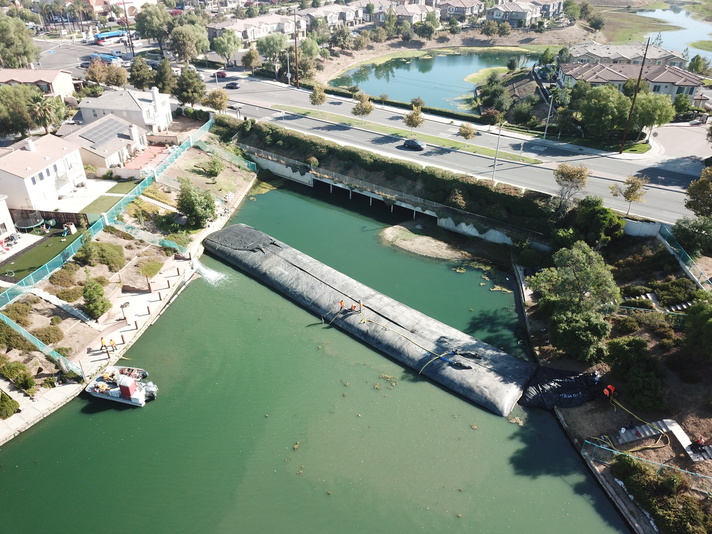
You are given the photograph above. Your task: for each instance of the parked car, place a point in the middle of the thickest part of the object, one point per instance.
(84, 64)
(221, 74)
(414, 144)
(117, 53)
(232, 85)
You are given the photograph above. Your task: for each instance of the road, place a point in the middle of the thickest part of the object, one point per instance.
(664, 200)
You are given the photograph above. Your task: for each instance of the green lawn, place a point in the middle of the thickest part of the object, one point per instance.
(404, 132)
(31, 260)
(100, 205)
(123, 187)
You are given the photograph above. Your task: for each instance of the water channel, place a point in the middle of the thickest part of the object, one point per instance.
(438, 79)
(269, 421)
(691, 30)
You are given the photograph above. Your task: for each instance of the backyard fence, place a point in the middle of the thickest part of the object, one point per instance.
(605, 455)
(684, 259)
(21, 287)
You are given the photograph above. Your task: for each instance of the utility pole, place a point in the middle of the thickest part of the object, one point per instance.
(296, 51)
(128, 32)
(635, 95)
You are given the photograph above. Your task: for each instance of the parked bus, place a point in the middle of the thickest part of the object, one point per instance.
(113, 36)
(108, 59)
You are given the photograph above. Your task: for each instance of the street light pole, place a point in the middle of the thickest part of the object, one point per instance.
(296, 51)
(548, 115)
(496, 152)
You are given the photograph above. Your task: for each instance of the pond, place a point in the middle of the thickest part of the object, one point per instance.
(438, 79)
(691, 30)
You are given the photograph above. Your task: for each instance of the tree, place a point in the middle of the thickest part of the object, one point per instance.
(17, 50)
(140, 76)
(198, 206)
(364, 107)
(43, 110)
(216, 99)
(251, 59)
(698, 329)
(95, 303)
(226, 45)
(504, 29)
(604, 109)
(389, 22)
(571, 180)
(425, 30)
(628, 88)
(116, 76)
(454, 26)
(189, 88)
(15, 114)
(341, 38)
(580, 281)
(414, 119)
(580, 334)
(309, 48)
(406, 32)
(271, 45)
(699, 194)
(572, 9)
(512, 64)
(318, 96)
(585, 10)
(547, 57)
(681, 103)
(96, 72)
(699, 65)
(489, 28)
(564, 55)
(597, 224)
(188, 42)
(651, 110)
(467, 131)
(597, 22)
(153, 22)
(164, 78)
(378, 35)
(579, 92)
(632, 190)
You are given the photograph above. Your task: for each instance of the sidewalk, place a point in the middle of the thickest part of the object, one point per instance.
(129, 317)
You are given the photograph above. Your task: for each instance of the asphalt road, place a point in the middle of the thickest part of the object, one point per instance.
(664, 200)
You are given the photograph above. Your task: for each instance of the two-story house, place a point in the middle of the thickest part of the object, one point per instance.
(460, 9)
(37, 171)
(50, 82)
(549, 9)
(149, 110)
(517, 14)
(633, 53)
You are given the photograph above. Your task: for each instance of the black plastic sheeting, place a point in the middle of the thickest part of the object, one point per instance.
(462, 364)
(553, 387)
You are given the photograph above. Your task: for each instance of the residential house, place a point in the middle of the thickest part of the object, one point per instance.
(7, 227)
(663, 79)
(549, 9)
(517, 14)
(460, 9)
(331, 14)
(107, 142)
(37, 171)
(250, 30)
(379, 6)
(149, 110)
(412, 13)
(633, 53)
(50, 82)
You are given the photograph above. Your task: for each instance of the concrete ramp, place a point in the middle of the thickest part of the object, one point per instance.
(471, 368)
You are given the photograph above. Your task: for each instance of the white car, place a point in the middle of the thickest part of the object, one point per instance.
(117, 53)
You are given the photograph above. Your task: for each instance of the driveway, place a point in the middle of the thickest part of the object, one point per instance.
(683, 146)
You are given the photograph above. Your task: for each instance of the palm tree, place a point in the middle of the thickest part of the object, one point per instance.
(44, 111)
(80, 8)
(60, 9)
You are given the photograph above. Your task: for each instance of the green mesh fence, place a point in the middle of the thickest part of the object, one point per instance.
(224, 154)
(684, 257)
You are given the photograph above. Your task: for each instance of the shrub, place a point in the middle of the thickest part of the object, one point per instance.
(8, 406)
(25, 381)
(48, 334)
(149, 268)
(117, 232)
(18, 312)
(54, 320)
(95, 303)
(630, 360)
(12, 340)
(106, 253)
(529, 258)
(64, 277)
(312, 161)
(674, 291)
(103, 280)
(639, 303)
(12, 370)
(626, 325)
(70, 295)
(64, 351)
(663, 331)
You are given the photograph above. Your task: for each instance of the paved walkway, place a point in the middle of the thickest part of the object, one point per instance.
(130, 316)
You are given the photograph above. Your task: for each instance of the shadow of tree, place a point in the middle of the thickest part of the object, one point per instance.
(333, 128)
(493, 327)
(385, 140)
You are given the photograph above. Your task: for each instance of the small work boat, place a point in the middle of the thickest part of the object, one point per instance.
(127, 385)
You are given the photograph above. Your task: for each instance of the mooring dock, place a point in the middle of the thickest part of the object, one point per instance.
(467, 366)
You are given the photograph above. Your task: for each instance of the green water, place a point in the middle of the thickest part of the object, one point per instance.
(245, 375)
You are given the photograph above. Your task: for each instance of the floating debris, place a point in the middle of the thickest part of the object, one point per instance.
(296, 445)
(377, 386)
(473, 427)
(345, 395)
(515, 420)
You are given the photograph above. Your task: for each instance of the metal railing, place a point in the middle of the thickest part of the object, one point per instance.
(605, 455)
(684, 258)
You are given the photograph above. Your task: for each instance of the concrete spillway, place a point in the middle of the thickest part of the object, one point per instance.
(471, 368)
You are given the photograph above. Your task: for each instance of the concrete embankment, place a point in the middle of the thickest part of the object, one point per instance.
(467, 366)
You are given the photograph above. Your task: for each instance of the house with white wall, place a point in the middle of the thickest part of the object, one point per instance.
(150, 110)
(37, 171)
(7, 226)
(460, 9)
(107, 142)
(517, 14)
(632, 53)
